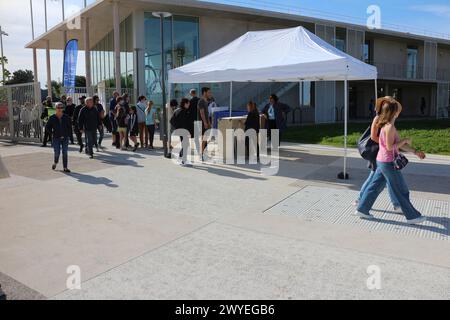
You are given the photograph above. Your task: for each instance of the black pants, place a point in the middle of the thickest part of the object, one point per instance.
(151, 134)
(47, 137)
(78, 135)
(91, 140)
(101, 135)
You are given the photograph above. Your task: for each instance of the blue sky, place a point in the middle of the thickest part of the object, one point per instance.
(414, 15)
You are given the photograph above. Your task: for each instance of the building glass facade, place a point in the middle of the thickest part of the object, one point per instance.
(102, 58)
(181, 46)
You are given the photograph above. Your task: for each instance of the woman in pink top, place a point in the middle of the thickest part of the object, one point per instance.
(390, 145)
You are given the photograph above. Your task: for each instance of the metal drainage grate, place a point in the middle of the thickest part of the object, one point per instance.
(335, 206)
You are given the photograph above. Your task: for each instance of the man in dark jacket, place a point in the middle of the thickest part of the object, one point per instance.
(76, 114)
(275, 114)
(69, 111)
(182, 119)
(194, 103)
(89, 122)
(59, 126)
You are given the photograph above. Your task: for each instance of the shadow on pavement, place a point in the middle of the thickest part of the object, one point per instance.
(88, 179)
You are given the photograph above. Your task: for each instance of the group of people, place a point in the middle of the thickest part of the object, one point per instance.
(385, 170)
(130, 122)
(188, 111)
(26, 120)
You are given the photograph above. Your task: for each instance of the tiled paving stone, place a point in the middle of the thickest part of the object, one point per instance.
(314, 204)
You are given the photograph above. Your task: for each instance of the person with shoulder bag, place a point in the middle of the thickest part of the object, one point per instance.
(368, 146)
(389, 165)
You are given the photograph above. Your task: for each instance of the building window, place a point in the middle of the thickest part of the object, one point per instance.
(181, 41)
(411, 67)
(367, 52)
(307, 94)
(341, 39)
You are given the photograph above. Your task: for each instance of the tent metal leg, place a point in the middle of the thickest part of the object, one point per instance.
(231, 99)
(344, 174)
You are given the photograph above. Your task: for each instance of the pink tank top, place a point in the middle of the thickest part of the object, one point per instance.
(384, 155)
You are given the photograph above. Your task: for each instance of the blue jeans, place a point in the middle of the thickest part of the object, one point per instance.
(386, 173)
(366, 184)
(91, 140)
(61, 145)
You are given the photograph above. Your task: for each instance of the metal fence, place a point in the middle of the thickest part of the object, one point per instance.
(20, 112)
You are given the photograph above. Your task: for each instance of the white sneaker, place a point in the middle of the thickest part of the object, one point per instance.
(419, 220)
(398, 210)
(355, 203)
(364, 216)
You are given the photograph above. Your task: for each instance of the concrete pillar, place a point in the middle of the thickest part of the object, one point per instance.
(139, 51)
(49, 71)
(116, 25)
(87, 57)
(37, 89)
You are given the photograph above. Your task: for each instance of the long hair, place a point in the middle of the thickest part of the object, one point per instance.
(388, 111)
(252, 106)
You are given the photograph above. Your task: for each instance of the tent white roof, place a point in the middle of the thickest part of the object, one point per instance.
(285, 55)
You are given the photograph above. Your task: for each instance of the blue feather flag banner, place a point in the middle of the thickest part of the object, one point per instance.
(70, 65)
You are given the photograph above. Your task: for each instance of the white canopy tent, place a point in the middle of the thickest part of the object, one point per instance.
(285, 55)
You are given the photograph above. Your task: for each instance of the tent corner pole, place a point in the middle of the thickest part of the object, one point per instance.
(231, 99)
(345, 127)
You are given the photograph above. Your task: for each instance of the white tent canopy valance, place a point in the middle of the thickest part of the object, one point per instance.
(286, 55)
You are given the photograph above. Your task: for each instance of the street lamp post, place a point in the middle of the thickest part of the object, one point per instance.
(162, 16)
(2, 33)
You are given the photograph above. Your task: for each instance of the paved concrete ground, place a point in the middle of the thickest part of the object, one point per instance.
(140, 227)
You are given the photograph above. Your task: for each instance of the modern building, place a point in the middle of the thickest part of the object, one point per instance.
(122, 40)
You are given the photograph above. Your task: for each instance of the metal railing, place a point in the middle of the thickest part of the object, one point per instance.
(20, 112)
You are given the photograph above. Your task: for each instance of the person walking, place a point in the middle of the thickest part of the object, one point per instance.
(125, 103)
(141, 106)
(150, 122)
(76, 114)
(69, 111)
(89, 122)
(60, 127)
(112, 116)
(194, 104)
(275, 114)
(122, 127)
(203, 115)
(47, 109)
(388, 170)
(101, 128)
(375, 137)
(133, 127)
(182, 119)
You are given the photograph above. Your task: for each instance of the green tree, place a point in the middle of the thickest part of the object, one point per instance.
(6, 72)
(80, 81)
(21, 76)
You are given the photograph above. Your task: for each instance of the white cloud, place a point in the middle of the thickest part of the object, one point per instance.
(440, 10)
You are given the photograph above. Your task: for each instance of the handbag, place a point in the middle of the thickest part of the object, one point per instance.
(368, 149)
(400, 161)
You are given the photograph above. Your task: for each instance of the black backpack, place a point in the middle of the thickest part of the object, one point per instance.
(176, 120)
(368, 149)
